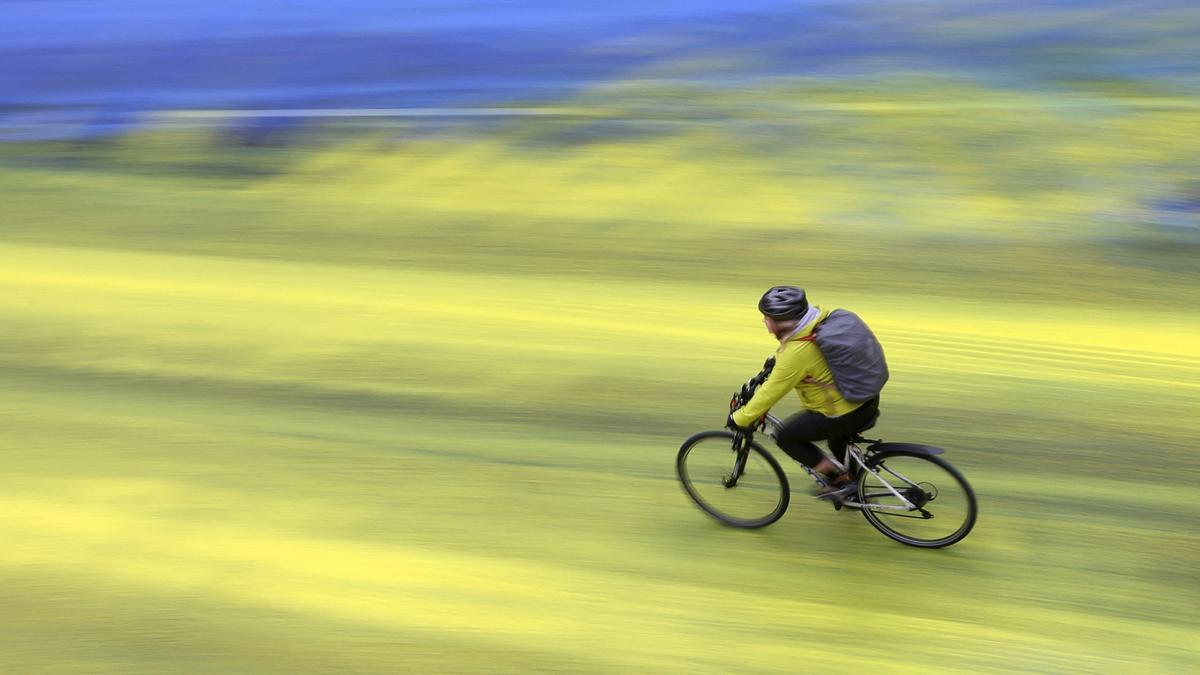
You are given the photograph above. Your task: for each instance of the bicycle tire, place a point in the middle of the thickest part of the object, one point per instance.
(769, 483)
(880, 519)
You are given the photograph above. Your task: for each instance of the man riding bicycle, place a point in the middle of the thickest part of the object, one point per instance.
(800, 366)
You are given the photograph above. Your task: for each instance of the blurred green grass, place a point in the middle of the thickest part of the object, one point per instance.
(385, 405)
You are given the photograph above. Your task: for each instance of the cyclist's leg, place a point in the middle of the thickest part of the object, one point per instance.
(844, 427)
(796, 438)
(800, 430)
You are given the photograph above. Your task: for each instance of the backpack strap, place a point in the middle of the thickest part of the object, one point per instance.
(827, 388)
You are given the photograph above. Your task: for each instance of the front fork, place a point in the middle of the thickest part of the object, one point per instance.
(741, 450)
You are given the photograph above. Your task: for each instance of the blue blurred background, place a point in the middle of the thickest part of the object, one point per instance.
(93, 66)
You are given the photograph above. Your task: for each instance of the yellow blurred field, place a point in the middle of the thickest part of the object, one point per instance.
(416, 411)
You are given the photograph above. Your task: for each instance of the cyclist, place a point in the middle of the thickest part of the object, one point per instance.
(799, 366)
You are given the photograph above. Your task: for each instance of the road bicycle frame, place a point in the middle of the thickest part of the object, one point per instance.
(771, 427)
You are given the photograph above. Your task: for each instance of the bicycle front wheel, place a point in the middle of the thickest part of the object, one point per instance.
(745, 488)
(919, 500)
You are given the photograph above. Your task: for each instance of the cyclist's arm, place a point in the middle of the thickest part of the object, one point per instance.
(789, 370)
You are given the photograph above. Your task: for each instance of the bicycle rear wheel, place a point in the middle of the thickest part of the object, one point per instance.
(943, 507)
(757, 496)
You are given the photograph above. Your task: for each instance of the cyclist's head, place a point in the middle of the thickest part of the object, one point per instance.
(783, 303)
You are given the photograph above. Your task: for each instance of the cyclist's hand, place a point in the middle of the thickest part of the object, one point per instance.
(733, 426)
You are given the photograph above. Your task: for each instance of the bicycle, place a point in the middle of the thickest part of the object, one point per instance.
(905, 490)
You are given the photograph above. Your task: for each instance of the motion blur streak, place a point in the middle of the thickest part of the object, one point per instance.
(360, 336)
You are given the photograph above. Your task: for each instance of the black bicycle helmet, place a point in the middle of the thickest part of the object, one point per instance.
(783, 303)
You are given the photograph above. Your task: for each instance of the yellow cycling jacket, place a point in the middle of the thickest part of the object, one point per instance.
(799, 365)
